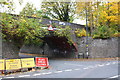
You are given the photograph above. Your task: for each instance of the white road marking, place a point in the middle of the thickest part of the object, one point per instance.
(114, 76)
(37, 74)
(86, 68)
(68, 70)
(58, 71)
(108, 64)
(49, 73)
(101, 65)
(24, 76)
(43, 73)
(73, 64)
(20, 76)
(9, 77)
(76, 69)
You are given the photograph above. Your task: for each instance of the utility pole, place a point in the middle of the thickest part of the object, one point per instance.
(86, 11)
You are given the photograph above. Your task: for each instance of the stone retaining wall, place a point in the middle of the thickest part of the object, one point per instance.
(104, 48)
(9, 50)
(99, 48)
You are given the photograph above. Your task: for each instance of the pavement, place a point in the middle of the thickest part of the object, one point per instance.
(100, 69)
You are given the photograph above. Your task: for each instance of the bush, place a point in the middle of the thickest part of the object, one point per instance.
(104, 32)
(80, 32)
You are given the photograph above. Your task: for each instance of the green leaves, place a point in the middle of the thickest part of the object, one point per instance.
(28, 10)
(18, 29)
(24, 30)
(104, 32)
(63, 11)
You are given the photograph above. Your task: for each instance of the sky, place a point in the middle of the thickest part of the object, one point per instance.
(19, 7)
(37, 5)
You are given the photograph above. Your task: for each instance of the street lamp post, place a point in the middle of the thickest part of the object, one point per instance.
(86, 11)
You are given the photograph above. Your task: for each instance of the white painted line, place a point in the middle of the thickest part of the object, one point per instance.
(114, 76)
(49, 73)
(72, 64)
(37, 74)
(58, 71)
(100, 65)
(43, 73)
(9, 77)
(108, 64)
(86, 68)
(68, 70)
(76, 69)
(20, 76)
(24, 76)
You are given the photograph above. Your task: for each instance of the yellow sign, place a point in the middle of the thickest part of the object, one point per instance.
(28, 62)
(12, 64)
(2, 65)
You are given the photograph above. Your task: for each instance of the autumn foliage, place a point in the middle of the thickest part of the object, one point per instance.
(103, 18)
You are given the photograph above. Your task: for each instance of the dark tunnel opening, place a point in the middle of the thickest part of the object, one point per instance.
(60, 47)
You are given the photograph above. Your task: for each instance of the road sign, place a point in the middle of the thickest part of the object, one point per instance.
(2, 65)
(12, 64)
(28, 62)
(50, 28)
(42, 62)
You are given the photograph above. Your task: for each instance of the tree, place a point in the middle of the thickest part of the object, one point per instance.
(23, 29)
(18, 30)
(92, 13)
(7, 6)
(28, 10)
(64, 11)
(101, 14)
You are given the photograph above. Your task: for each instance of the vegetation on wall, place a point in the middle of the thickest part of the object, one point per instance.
(23, 30)
(102, 20)
(80, 32)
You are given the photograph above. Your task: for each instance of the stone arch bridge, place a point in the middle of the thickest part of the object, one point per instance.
(58, 46)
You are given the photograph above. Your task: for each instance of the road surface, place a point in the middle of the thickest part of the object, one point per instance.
(73, 69)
